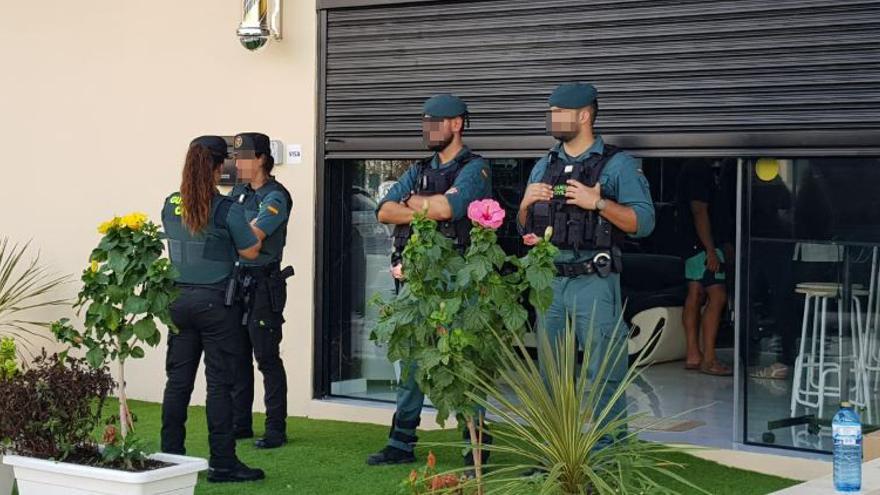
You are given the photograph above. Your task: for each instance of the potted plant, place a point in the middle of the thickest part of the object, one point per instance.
(445, 313)
(51, 410)
(24, 287)
(127, 288)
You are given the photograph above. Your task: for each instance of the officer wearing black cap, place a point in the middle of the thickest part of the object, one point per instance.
(207, 232)
(593, 195)
(263, 289)
(444, 185)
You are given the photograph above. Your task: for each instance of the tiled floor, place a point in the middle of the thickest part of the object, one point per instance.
(668, 390)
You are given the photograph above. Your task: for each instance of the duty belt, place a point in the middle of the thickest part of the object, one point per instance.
(261, 270)
(601, 264)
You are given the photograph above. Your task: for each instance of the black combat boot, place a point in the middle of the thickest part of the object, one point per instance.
(391, 455)
(237, 474)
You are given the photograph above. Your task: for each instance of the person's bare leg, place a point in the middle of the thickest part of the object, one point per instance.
(717, 295)
(691, 321)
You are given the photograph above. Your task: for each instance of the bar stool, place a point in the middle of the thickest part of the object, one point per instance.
(814, 364)
(871, 338)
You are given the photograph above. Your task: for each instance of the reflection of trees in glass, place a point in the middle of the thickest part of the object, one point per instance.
(378, 171)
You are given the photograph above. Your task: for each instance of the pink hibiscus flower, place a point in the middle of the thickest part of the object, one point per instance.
(530, 239)
(486, 213)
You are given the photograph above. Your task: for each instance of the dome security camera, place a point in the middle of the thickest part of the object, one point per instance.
(253, 38)
(260, 20)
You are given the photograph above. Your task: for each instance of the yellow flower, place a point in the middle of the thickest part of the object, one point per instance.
(134, 221)
(106, 226)
(94, 266)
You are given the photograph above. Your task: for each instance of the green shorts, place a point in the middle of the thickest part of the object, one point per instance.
(695, 270)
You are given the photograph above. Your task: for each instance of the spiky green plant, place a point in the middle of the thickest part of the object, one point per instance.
(25, 285)
(555, 424)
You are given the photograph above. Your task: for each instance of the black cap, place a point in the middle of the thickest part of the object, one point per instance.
(252, 141)
(215, 144)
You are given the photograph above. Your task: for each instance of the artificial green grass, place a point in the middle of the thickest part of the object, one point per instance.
(328, 457)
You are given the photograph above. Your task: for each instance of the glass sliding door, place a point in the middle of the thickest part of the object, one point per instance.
(811, 254)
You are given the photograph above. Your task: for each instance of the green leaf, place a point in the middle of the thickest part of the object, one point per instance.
(145, 328)
(117, 262)
(137, 352)
(111, 453)
(95, 357)
(136, 305)
(113, 319)
(514, 317)
(443, 378)
(538, 278)
(541, 299)
(431, 358)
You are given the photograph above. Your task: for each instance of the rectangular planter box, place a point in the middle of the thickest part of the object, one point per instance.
(42, 477)
(6, 478)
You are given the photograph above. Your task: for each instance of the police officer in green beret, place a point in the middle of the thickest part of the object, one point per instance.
(207, 232)
(444, 183)
(594, 196)
(263, 289)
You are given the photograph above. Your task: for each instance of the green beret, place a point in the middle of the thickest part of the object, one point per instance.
(445, 105)
(573, 95)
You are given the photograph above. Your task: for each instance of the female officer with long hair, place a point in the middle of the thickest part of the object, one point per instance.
(206, 233)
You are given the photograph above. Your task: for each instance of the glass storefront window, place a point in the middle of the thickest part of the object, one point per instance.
(359, 249)
(813, 235)
(810, 246)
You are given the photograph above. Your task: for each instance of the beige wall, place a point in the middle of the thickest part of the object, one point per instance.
(98, 101)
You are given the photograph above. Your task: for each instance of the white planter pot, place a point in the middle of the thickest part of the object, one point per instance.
(6, 478)
(42, 477)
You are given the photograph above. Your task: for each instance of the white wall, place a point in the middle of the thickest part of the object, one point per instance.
(98, 102)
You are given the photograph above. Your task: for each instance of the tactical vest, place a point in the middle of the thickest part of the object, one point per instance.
(432, 181)
(573, 227)
(273, 245)
(204, 258)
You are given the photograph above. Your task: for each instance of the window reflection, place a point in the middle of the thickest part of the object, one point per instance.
(812, 336)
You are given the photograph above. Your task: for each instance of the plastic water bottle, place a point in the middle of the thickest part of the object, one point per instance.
(846, 430)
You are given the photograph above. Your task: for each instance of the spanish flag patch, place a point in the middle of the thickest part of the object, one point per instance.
(272, 209)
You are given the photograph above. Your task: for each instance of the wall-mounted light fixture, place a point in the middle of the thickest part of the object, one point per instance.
(260, 20)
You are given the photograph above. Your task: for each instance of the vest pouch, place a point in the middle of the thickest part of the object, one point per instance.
(435, 182)
(577, 222)
(560, 228)
(540, 218)
(602, 236)
(589, 226)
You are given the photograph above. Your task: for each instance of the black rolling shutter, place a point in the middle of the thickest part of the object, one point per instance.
(670, 73)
